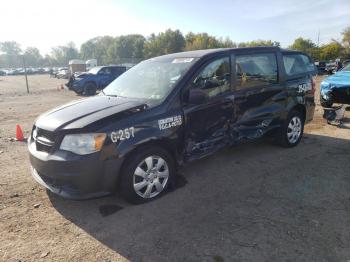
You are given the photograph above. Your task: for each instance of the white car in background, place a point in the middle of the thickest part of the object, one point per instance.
(63, 73)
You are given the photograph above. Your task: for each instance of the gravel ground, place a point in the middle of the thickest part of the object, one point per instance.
(252, 202)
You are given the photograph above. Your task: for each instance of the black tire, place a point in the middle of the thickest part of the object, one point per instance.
(127, 177)
(283, 136)
(90, 89)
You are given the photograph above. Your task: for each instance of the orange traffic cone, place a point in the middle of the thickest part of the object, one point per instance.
(62, 87)
(19, 133)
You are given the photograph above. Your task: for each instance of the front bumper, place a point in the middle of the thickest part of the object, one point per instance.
(326, 94)
(73, 176)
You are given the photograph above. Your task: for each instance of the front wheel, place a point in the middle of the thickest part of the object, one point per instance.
(146, 175)
(292, 130)
(90, 89)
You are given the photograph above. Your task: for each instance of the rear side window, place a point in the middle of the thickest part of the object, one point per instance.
(296, 64)
(256, 70)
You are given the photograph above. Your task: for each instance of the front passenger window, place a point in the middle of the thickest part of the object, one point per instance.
(215, 78)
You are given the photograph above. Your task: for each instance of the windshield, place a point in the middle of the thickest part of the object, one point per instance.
(346, 68)
(151, 79)
(94, 70)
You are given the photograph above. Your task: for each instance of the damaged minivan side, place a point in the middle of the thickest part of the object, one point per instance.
(168, 111)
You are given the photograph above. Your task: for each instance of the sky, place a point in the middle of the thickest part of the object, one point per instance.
(45, 24)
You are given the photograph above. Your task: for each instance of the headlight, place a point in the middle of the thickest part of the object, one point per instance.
(325, 85)
(83, 144)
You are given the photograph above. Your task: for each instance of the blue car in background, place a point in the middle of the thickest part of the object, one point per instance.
(96, 78)
(336, 88)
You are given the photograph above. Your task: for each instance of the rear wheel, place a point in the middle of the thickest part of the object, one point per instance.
(292, 130)
(146, 175)
(90, 89)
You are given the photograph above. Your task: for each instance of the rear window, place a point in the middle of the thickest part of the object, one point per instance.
(297, 64)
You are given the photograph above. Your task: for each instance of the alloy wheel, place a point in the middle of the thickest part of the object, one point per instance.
(150, 177)
(294, 129)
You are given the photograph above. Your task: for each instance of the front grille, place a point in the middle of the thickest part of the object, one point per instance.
(49, 135)
(44, 139)
(42, 147)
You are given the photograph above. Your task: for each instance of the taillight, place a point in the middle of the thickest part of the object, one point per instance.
(313, 85)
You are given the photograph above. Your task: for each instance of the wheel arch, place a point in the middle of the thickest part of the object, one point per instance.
(163, 143)
(300, 108)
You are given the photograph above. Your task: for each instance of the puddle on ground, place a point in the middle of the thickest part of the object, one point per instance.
(107, 210)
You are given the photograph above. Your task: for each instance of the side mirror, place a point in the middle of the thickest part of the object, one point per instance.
(197, 96)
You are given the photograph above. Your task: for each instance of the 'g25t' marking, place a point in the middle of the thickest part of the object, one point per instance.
(122, 134)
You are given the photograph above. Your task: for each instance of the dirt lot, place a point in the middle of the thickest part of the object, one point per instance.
(253, 202)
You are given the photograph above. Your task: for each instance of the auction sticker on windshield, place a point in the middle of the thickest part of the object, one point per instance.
(182, 60)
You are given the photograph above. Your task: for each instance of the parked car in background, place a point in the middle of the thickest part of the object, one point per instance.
(22, 71)
(168, 111)
(96, 78)
(63, 73)
(331, 68)
(2, 73)
(336, 88)
(321, 67)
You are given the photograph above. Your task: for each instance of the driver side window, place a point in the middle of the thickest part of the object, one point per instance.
(215, 78)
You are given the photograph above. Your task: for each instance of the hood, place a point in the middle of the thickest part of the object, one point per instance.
(340, 78)
(82, 74)
(80, 113)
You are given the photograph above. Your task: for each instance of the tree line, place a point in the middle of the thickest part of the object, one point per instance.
(134, 48)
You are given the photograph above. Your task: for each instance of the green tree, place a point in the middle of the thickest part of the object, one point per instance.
(227, 43)
(11, 54)
(259, 42)
(10, 48)
(33, 56)
(346, 37)
(307, 46)
(346, 42)
(301, 44)
(62, 54)
(202, 41)
(164, 43)
(331, 51)
(127, 49)
(98, 48)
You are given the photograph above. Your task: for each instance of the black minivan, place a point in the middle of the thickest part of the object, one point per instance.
(168, 111)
